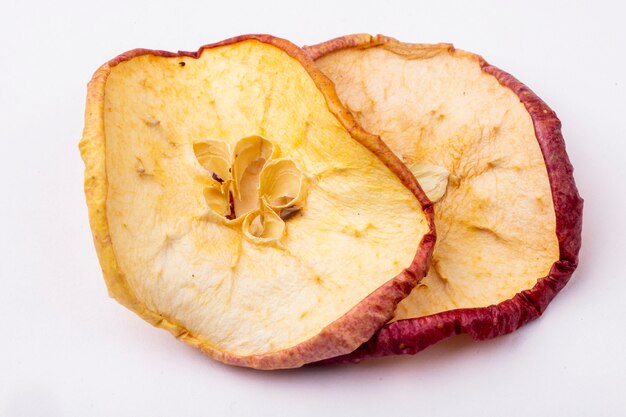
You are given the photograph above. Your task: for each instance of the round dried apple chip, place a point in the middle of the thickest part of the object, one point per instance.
(237, 204)
(490, 155)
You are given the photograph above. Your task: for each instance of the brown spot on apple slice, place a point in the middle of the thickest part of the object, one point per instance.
(289, 212)
(217, 178)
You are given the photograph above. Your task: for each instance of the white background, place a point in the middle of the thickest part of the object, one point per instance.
(66, 349)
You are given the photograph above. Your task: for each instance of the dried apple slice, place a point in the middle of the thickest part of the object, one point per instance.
(236, 203)
(490, 155)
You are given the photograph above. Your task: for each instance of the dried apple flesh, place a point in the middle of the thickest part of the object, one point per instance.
(495, 221)
(174, 241)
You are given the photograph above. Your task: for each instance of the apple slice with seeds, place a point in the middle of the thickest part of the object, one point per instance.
(236, 203)
(490, 155)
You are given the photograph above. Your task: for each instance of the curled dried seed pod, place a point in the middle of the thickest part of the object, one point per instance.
(432, 178)
(263, 225)
(282, 184)
(219, 202)
(214, 156)
(251, 155)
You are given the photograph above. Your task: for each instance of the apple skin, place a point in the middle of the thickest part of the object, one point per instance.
(340, 337)
(413, 335)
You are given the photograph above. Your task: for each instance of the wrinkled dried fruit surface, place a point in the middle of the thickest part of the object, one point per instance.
(231, 205)
(495, 215)
(247, 185)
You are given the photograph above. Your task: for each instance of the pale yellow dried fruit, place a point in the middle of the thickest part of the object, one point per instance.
(260, 184)
(511, 218)
(435, 104)
(247, 283)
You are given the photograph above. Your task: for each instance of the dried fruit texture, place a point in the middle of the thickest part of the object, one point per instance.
(231, 205)
(502, 151)
(247, 185)
(496, 221)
